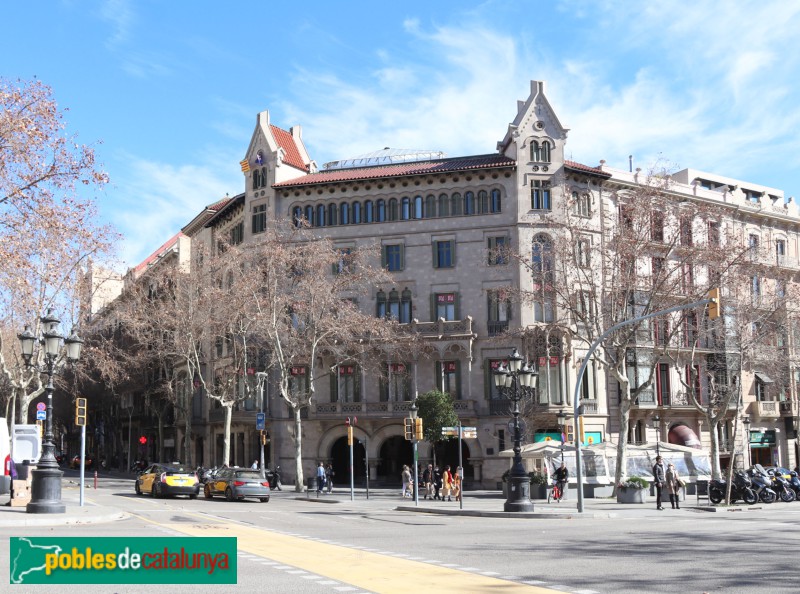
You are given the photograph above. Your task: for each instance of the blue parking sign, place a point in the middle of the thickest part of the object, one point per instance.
(260, 419)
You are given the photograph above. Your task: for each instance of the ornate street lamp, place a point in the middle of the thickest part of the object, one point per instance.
(562, 425)
(657, 427)
(46, 478)
(516, 381)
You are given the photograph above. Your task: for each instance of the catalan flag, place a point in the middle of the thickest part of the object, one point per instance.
(245, 165)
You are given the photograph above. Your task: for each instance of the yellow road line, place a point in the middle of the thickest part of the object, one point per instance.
(371, 571)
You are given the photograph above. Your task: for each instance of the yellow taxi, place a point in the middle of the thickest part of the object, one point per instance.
(163, 480)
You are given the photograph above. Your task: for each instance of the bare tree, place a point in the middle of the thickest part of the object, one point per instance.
(638, 251)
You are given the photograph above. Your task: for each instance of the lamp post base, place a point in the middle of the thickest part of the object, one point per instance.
(519, 494)
(46, 492)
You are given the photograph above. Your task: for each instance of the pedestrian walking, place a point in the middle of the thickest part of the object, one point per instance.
(329, 477)
(674, 484)
(659, 479)
(408, 483)
(561, 476)
(427, 480)
(320, 477)
(437, 482)
(447, 483)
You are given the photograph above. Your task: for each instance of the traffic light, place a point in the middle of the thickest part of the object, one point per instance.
(714, 306)
(80, 412)
(418, 428)
(408, 425)
(264, 438)
(142, 440)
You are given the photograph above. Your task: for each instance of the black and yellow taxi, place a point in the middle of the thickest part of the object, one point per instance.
(162, 480)
(237, 483)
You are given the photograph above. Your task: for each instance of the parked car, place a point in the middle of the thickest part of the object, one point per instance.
(237, 483)
(162, 480)
(88, 461)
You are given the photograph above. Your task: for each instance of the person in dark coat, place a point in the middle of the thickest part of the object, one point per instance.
(437, 482)
(659, 479)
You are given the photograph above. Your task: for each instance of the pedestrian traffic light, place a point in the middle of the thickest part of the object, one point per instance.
(408, 425)
(714, 306)
(80, 412)
(349, 435)
(264, 438)
(142, 440)
(418, 428)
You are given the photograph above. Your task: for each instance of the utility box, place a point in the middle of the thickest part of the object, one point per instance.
(27, 444)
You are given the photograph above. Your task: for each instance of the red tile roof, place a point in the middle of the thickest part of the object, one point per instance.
(586, 168)
(401, 169)
(232, 203)
(158, 253)
(286, 141)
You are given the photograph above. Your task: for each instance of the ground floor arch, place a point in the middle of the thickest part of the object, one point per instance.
(446, 453)
(394, 452)
(340, 461)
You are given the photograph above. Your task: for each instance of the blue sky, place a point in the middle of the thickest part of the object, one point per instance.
(172, 89)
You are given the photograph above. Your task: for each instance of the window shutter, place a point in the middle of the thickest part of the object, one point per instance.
(457, 308)
(433, 307)
(488, 380)
(458, 380)
(435, 259)
(334, 384)
(383, 256)
(438, 379)
(402, 256)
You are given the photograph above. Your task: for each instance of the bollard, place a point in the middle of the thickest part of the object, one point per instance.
(95, 479)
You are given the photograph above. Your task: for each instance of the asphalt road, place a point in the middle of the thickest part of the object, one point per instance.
(334, 545)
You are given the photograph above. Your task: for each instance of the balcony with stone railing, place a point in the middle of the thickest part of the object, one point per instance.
(789, 408)
(768, 409)
(442, 329)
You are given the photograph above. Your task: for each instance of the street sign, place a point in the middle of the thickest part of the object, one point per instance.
(260, 421)
(472, 434)
(466, 432)
(41, 415)
(41, 406)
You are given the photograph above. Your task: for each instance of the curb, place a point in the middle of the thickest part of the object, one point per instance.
(70, 517)
(501, 514)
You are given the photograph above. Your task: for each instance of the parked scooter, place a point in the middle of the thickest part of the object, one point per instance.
(740, 489)
(794, 483)
(782, 487)
(274, 478)
(762, 484)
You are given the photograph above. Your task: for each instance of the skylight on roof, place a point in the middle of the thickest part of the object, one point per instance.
(386, 156)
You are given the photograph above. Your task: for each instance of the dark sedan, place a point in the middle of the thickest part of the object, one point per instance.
(237, 483)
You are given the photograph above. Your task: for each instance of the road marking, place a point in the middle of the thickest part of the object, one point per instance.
(361, 568)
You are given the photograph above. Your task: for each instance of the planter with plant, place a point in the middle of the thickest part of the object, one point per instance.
(633, 490)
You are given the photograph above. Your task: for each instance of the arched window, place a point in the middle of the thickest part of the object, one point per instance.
(263, 177)
(430, 206)
(369, 215)
(545, 152)
(444, 205)
(381, 214)
(297, 216)
(406, 209)
(494, 205)
(344, 213)
(321, 215)
(356, 219)
(469, 203)
(380, 300)
(456, 202)
(310, 214)
(393, 209)
(333, 215)
(419, 212)
(256, 179)
(535, 151)
(394, 304)
(483, 202)
(405, 306)
(542, 277)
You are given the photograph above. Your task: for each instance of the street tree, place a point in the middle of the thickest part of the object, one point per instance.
(436, 410)
(49, 228)
(642, 252)
(307, 319)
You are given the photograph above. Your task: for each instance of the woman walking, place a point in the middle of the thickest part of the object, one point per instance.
(408, 484)
(674, 484)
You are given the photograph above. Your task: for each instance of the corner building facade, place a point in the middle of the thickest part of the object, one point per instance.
(439, 221)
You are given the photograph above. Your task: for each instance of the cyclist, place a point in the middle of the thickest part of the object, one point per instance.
(561, 477)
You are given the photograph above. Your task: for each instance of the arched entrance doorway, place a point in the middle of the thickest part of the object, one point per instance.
(340, 460)
(447, 453)
(395, 452)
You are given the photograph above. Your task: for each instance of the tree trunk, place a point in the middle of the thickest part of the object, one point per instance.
(298, 450)
(226, 442)
(161, 437)
(622, 444)
(712, 433)
(187, 441)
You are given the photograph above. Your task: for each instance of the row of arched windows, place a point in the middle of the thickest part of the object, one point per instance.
(402, 209)
(540, 151)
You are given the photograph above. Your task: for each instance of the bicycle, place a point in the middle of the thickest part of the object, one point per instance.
(554, 492)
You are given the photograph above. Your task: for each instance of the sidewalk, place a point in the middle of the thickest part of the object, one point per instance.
(490, 504)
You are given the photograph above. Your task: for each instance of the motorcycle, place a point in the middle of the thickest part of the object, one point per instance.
(740, 489)
(762, 484)
(274, 478)
(782, 487)
(205, 475)
(794, 483)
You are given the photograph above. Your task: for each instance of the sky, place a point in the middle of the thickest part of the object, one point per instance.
(169, 91)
